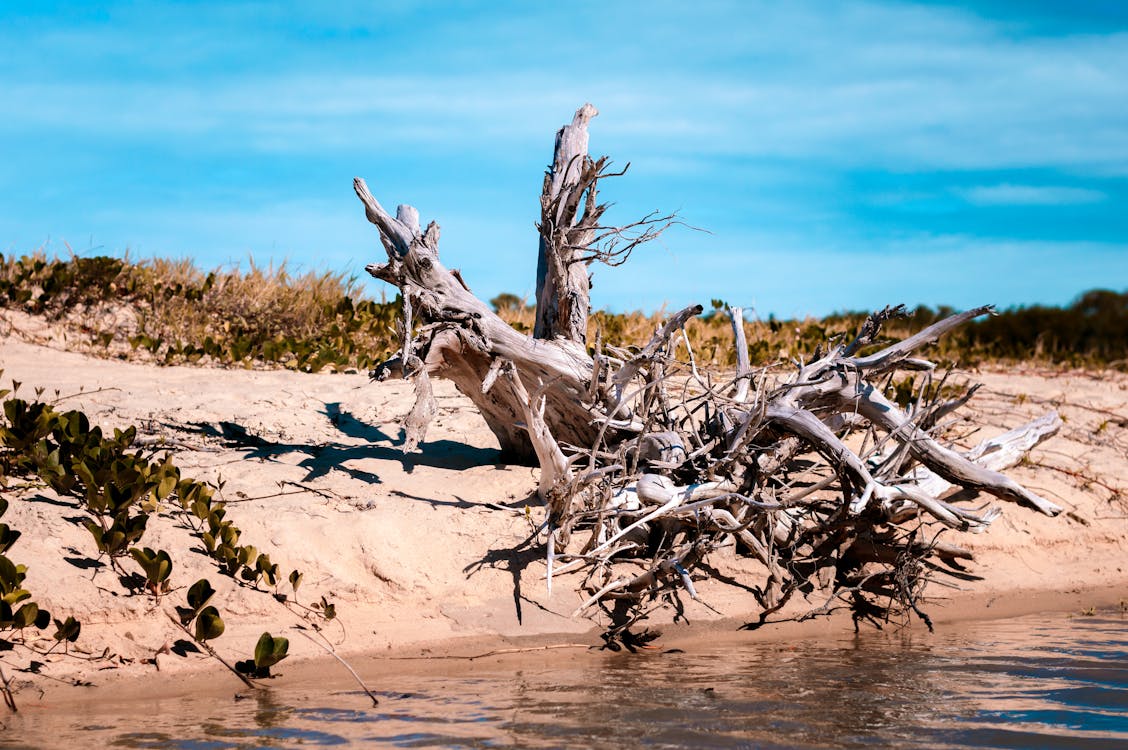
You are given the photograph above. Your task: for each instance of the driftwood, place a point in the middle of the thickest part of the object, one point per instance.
(648, 466)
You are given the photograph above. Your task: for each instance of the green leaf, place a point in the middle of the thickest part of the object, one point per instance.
(295, 580)
(229, 534)
(157, 565)
(270, 650)
(67, 631)
(75, 425)
(134, 528)
(164, 567)
(26, 615)
(10, 576)
(200, 593)
(208, 624)
(267, 569)
(247, 555)
(8, 537)
(143, 556)
(85, 475)
(16, 596)
(113, 542)
(215, 520)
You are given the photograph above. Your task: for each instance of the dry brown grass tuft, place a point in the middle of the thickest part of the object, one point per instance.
(269, 301)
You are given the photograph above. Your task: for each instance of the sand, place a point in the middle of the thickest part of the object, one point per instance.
(422, 554)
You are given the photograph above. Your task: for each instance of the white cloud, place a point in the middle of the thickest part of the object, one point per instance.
(1007, 194)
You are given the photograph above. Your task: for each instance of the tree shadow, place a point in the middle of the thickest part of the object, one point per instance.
(58, 503)
(715, 574)
(459, 502)
(349, 425)
(321, 458)
(513, 560)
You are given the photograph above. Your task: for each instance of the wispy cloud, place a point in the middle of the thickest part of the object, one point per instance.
(901, 85)
(1007, 194)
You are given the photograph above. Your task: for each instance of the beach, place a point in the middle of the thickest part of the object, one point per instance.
(426, 554)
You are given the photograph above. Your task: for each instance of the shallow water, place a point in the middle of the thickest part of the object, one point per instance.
(1044, 681)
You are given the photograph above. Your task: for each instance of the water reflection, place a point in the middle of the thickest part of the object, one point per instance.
(1028, 682)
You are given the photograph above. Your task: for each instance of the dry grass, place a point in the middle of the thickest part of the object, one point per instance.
(269, 300)
(171, 311)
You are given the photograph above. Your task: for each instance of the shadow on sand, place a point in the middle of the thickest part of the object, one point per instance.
(325, 457)
(321, 458)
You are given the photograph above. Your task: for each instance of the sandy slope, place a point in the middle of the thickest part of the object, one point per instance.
(419, 549)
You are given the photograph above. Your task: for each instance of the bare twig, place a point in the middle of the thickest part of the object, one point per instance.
(333, 652)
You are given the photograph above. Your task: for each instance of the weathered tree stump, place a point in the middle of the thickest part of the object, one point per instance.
(646, 463)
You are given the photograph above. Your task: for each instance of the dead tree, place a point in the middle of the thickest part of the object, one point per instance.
(648, 466)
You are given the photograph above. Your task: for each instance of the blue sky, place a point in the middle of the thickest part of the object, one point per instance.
(840, 155)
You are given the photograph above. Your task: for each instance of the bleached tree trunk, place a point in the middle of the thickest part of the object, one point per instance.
(565, 235)
(461, 339)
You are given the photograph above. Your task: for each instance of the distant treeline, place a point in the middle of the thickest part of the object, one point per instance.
(1091, 330)
(171, 312)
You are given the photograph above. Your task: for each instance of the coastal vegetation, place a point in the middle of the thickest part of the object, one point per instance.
(120, 485)
(171, 312)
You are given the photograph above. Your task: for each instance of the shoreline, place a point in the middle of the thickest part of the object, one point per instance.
(468, 654)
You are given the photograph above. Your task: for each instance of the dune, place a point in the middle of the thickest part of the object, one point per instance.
(429, 552)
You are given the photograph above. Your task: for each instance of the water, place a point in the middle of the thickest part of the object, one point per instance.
(1045, 681)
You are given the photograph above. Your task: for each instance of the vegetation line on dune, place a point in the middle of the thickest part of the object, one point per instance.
(170, 312)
